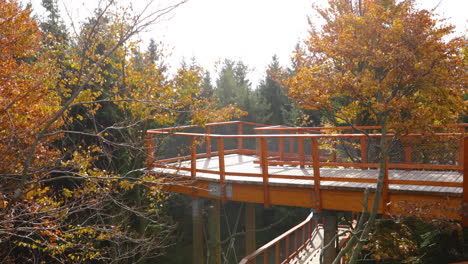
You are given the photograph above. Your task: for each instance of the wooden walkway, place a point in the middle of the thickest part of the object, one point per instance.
(313, 168)
(244, 164)
(425, 175)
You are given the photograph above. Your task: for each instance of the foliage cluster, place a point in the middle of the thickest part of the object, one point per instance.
(74, 108)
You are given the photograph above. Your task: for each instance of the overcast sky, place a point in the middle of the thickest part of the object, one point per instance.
(248, 30)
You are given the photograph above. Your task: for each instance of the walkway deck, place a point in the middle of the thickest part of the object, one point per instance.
(278, 176)
(310, 167)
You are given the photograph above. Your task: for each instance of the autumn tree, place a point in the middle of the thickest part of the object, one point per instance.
(69, 111)
(384, 62)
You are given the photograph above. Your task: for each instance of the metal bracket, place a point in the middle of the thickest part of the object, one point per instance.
(215, 189)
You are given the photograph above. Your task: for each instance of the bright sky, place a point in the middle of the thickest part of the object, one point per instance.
(248, 30)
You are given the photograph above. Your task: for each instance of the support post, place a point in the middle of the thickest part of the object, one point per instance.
(264, 166)
(222, 169)
(250, 240)
(364, 150)
(330, 227)
(240, 143)
(291, 147)
(300, 147)
(408, 151)
(316, 164)
(198, 239)
(214, 232)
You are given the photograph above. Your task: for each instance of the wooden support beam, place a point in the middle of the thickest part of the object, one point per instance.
(250, 240)
(222, 169)
(264, 167)
(214, 232)
(198, 243)
(317, 203)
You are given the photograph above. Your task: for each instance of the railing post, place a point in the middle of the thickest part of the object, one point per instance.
(281, 146)
(364, 150)
(300, 146)
(291, 147)
(296, 239)
(240, 143)
(149, 150)
(408, 151)
(208, 140)
(265, 256)
(277, 253)
(222, 169)
(316, 164)
(465, 185)
(264, 166)
(193, 163)
(334, 150)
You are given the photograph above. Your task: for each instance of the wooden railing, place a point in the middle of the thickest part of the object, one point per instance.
(322, 151)
(286, 246)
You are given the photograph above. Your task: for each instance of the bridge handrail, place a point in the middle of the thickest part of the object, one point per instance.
(308, 227)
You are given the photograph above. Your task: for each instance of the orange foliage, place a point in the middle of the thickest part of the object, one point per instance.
(385, 60)
(25, 101)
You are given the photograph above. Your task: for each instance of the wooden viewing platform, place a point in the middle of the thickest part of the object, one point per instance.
(321, 168)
